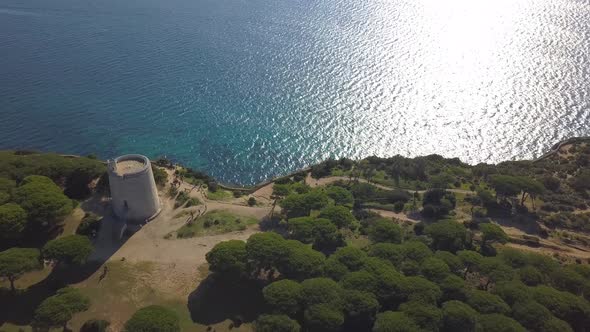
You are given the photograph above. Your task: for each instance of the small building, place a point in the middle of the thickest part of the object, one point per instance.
(134, 195)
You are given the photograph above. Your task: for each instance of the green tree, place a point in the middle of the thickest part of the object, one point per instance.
(530, 314)
(427, 316)
(353, 258)
(360, 280)
(470, 259)
(492, 233)
(301, 229)
(334, 269)
(452, 260)
(495, 270)
(384, 230)
(323, 317)
(284, 296)
(514, 257)
(422, 290)
(340, 195)
(434, 269)
(555, 324)
(505, 185)
(7, 185)
(326, 235)
(512, 291)
(498, 323)
(453, 288)
(70, 249)
(228, 258)
(416, 251)
(43, 200)
(568, 280)
(300, 205)
(390, 321)
(338, 215)
(153, 318)
(510, 186)
(531, 276)
(360, 309)
(391, 252)
(12, 221)
(563, 305)
(301, 262)
(14, 262)
(458, 316)
(320, 290)
(265, 251)
(276, 323)
(486, 302)
(57, 310)
(447, 235)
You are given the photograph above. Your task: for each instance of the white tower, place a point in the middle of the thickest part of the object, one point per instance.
(133, 189)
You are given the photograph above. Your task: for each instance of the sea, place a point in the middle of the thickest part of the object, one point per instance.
(250, 89)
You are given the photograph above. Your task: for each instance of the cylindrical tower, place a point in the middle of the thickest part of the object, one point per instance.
(134, 196)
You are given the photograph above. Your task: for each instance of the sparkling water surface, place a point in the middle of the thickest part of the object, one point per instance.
(249, 89)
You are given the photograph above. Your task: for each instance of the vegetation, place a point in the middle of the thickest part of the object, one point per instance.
(153, 318)
(14, 262)
(57, 310)
(90, 225)
(215, 222)
(71, 249)
(440, 275)
(331, 261)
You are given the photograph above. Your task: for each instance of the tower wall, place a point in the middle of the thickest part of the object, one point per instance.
(134, 196)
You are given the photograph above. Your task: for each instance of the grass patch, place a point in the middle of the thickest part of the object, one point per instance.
(220, 195)
(215, 222)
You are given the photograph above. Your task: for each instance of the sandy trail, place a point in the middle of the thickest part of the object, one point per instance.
(331, 179)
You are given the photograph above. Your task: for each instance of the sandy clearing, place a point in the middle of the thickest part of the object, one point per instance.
(391, 214)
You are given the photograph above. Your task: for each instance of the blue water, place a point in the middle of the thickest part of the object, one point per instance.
(250, 89)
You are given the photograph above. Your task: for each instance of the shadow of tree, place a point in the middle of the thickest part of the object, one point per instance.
(19, 308)
(216, 300)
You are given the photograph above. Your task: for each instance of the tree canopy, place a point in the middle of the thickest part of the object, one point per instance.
(43, 200)
(57, 310)
(16, 261)
(13, 219)
(153, 318)
(228, 258)
(276, 323)
(70, 249)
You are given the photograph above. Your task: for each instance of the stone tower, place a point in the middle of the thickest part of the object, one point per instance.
(134, 196)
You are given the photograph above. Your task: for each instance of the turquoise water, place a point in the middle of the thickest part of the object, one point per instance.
(250, 89)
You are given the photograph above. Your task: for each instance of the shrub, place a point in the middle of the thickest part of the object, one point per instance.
(90, 225)
(251, 201)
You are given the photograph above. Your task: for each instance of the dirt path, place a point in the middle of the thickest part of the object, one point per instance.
(331, 179)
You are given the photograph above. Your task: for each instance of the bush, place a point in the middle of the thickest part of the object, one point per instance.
(251, 201)
(160, 176)
(90, 225)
